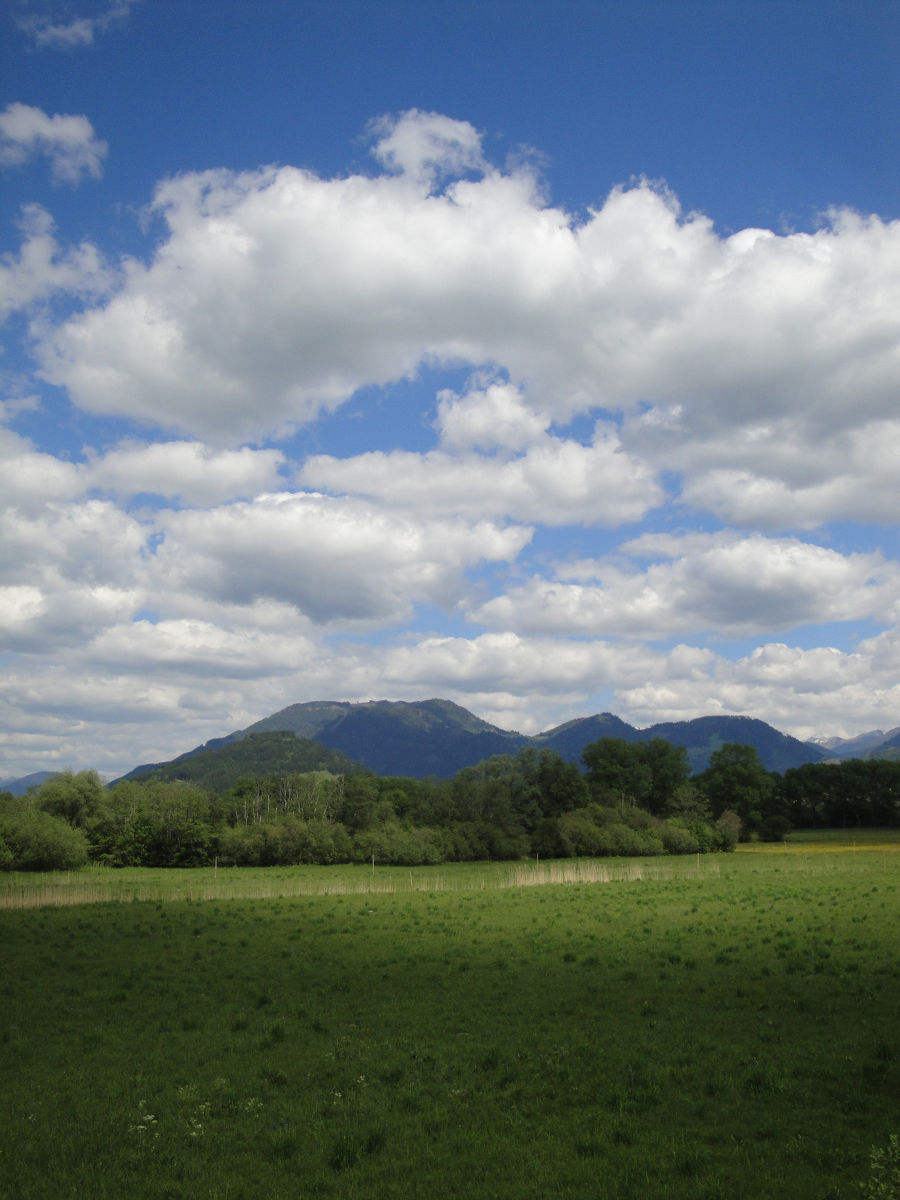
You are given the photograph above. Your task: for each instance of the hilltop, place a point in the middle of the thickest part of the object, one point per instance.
(437, 738)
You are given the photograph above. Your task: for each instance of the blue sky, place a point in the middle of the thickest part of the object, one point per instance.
(543, 357)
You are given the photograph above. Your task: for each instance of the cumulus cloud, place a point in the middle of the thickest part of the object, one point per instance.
(334, 561)
(42, 269)
(488, 417)
(785, 483)
(276, 294)
(190, 472)
(556, 481)
(425, 145)
(199, 649)
(724, 583)
(751, 377)
(71, 145)
(30, 479)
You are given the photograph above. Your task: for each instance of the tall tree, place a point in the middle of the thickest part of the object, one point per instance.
(736, 779)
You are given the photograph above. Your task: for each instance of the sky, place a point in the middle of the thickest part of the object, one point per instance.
(543, 357)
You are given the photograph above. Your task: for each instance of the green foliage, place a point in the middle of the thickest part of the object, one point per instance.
(75, 798)
(258, 755)
(506, 807)
(841, 795)
(32, 840)
(648, 774)
(153, 824)
(884, 1180)
(736, 779)
(727, 830)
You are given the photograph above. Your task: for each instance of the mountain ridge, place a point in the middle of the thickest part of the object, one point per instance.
(421, 738)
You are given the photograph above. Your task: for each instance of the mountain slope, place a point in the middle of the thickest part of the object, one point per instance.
(18, 787)
(428, 737)
(699, 737)
(437, 737)
(218, 767)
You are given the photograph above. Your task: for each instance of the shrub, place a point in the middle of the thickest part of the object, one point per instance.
(773, 829)
(677, 839)
(36, 841)
(727, 830)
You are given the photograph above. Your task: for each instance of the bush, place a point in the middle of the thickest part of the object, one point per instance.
(727, 830)
(677, 839)
(31, 840)
(773, 829)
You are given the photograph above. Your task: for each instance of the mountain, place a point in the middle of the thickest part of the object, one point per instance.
(699, 737)
(437, 737)
(219, 764)
(570, 739)
(703, 735)
(396, 737)
(864, 745)
(18, 787)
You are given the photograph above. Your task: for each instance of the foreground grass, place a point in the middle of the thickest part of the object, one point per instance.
(728, 1029)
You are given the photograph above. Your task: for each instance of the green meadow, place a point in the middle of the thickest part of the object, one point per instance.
(716, 1027)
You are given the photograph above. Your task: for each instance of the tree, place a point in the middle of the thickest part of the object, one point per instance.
(736, 779)
(643, 773)
(75, 798)
(669, 771)
(617, 771)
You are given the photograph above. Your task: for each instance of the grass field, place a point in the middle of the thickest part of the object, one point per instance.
(717, 1029)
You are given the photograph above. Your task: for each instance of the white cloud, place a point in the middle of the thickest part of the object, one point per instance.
(68, 141)
(193, 650)
(277, 294)
(92, 541)
(425, 145)
(556, 481)
(191, 472)
(722, 584)
(77, 31)
(29, 479)
(754, 374)
(70, 569)
(495, 415)
(41, 270)
(335, 561)
(786, 483)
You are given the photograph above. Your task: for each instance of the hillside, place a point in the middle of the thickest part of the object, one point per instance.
(218, 765)
(438, 738)
(18, 786)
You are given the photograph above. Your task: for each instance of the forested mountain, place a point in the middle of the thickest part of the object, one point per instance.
(700, 737)
(437, 738)
(218, 766)
(417, 739)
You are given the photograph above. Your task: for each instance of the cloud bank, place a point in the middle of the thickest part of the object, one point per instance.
(664, 429)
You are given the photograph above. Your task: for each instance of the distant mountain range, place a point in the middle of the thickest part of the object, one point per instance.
(18, 787)
(439, 738)
(874, 744)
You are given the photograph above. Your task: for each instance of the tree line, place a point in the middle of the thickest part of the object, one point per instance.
(630, 799)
